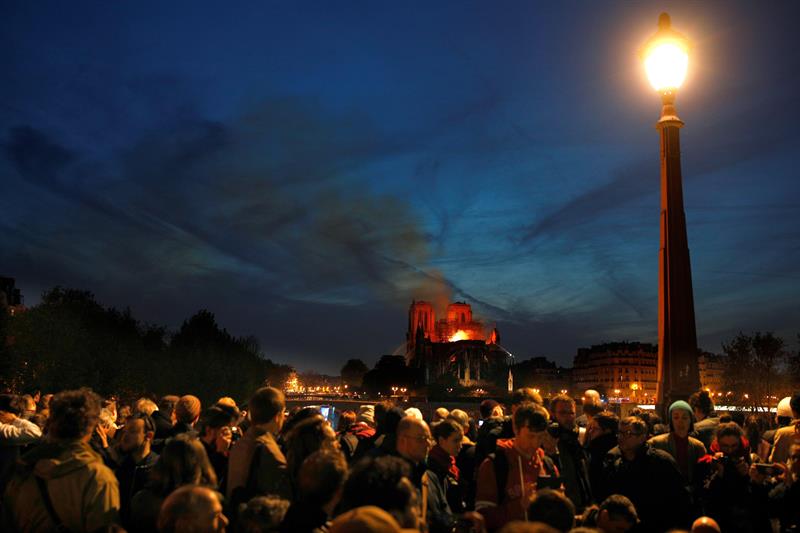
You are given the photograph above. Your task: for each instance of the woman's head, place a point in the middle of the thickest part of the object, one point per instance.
(183, 461)
(308, 436)
(449, 435)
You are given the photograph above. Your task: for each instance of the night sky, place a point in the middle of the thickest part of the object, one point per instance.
(303, 170)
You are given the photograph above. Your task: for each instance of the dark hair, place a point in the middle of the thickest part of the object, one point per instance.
(794, 403)
(183, 461)
(752, 428)
(262, 514)
(561, 398)
(214, 418)
(619, 506)
(445, 428)
(390, 420)
(346, 419)
(701, 401)
(636, 423)
(552, 508)
(729, 429)
(607, 421)
(304, 439)
(531, 415)
(379, 481)
(167, 404)
(10, 403)
(524, 395)
(321, 475)
(149, 423)
(592, 409)
(265, 405)
(73, 414)
(486, 408)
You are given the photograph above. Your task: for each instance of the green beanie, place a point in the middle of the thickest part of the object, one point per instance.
(680, 404)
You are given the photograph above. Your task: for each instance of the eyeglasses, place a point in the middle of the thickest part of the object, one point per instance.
(630, 434)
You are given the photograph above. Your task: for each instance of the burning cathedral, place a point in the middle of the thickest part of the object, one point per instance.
(456, 348)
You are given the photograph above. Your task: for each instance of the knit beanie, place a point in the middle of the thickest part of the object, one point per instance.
(680, 404)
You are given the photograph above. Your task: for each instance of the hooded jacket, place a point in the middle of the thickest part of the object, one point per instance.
(83, 491)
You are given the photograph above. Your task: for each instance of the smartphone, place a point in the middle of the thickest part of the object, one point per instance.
(767, 469)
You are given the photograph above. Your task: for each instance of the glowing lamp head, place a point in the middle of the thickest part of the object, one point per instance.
(666, 57)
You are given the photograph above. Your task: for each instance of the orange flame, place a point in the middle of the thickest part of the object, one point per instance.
(459, 335)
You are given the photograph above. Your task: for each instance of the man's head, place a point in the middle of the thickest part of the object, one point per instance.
(603, 423)
(617, 515)
(530, 425)
(702, 405)
(167, 406)
(524, 395)
(440, 414)
(321, 478)
(632, 434)
(137, 434)
(490, 409)
(794, 403)
(73, 414)
(680, 418)
(383, 482)
(729, 438)
(187, 410)
(262, 513)
(563, 408)
(551, 507)
(192, 508)
(146, 406)
(414, 439)
(212, 422)
(266, 406)
(449, 435)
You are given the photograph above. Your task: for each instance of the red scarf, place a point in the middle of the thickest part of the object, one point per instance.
(444, 461)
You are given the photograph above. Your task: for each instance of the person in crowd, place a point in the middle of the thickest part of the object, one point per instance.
(262, 514)
(592, 404)
(256, 465)
(357, 439)
(386, 443)
(366, 519)
(15, 432)
(146, 406)
(706, 423)
(788, 435)
(312, 434)
(784, 498)
(735, 492)
(183, 461)
(616, 514)
(346, 419)
(216, 437)
(416, 413)
(63, 483)
(439, 414)
(753, 431)
(442, 467)
(553, 508)
(508, 478)
(465, 460)
(414, 441)
(192, 509)
(648, 477)
(783, 418)
(570, 458)
(28, 406)
(320, 484)
(383, 482)
(134, 459)
(187, 413)
(601, 438)
(164, 417)
(686, 450)
(492, 427)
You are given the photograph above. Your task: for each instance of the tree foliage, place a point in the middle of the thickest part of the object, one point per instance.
(69, 340)
(755, 365)
(353, 372)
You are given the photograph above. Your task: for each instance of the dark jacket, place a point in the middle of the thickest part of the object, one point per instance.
(573, 464)
(439, 516)
(653, 483)
(304, 518)
(706, 430)
(598, 449)
(132, 477)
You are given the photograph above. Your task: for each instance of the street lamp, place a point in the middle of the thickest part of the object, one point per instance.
(666, 60)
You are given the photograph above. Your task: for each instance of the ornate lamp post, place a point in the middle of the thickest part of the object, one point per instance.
(666, 59)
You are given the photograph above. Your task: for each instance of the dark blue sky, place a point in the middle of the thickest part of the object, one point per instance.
(304, 170)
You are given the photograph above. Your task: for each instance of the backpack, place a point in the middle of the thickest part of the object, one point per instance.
(500, 463)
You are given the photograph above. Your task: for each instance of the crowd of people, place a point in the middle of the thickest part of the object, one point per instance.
(76, 462)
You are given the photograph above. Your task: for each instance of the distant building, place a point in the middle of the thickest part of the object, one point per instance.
(455, 349)
(712, 372)
(544, 375)
(10, 296)
(627, 367)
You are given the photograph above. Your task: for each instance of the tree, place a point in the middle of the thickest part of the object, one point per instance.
(390, 371)
(754, 368)
(353, 372)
